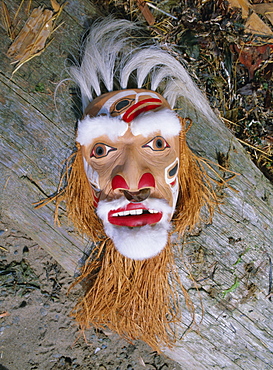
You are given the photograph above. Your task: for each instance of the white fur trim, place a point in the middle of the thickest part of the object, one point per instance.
(92, 128)
(165, 121)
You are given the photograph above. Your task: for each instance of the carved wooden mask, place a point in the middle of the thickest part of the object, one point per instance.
(130, 148)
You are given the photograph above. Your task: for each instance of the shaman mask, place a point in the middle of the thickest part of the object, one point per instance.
(130, 148)
(133, 182)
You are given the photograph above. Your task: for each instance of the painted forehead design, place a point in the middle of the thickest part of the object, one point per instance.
(111, 114)
(127, 104)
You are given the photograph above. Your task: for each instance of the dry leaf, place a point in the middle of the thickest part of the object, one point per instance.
(264, 9)
(31, 40)
(254, 24)
(55, 6)
(252, 56)
(33, 36)
(244, 5)
(146, 12)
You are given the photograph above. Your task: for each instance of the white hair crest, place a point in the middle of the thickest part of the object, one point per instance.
(110, 58)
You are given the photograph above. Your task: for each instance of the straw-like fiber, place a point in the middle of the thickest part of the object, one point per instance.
(136, 299)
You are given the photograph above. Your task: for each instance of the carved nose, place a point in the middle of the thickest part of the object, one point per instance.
(146, 182)
(137, 196)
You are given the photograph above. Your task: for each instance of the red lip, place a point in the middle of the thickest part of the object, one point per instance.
(145, 216)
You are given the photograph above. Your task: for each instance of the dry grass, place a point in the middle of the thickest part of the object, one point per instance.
(136, 299)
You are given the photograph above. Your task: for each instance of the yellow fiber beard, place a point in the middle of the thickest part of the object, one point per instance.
(136, 299)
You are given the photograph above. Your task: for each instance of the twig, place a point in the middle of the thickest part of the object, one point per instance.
(4, 314)
(18, 10)
(253, 147)
(161, 11)
(228, 121)
(270, 278)
(7, 21)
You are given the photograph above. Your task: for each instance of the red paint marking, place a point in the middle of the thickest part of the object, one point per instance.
(141, 107)
(119, 182)
(147, 181)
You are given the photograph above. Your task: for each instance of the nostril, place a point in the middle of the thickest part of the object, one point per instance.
(138, 196)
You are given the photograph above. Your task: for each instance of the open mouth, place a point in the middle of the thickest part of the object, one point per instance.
(134, 215)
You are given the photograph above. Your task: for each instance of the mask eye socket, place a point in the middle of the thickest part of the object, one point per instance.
(158, 144)
(101, 150)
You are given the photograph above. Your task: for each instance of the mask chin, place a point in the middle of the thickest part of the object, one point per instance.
(138, 243)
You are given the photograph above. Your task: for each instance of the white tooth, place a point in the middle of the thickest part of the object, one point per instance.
(132, 212)
(153, 211)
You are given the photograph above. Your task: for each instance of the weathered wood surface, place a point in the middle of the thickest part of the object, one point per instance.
(233, 254)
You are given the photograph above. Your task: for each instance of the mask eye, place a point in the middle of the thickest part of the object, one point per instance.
(158, 143)
(101, 150)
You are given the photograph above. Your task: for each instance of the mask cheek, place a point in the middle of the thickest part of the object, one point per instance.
(92, 176)
(171, 179)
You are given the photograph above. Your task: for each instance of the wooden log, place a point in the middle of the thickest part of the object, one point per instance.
(230, 259)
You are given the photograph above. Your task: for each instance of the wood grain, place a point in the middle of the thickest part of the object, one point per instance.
(229, 259)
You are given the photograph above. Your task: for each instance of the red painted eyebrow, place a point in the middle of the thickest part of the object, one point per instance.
(140, 107)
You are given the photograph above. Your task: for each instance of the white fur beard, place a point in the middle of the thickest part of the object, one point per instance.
(137, 243)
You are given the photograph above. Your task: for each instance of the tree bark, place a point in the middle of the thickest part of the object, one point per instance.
(229, 260)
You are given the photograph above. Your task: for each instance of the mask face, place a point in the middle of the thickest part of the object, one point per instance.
(130, 147)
